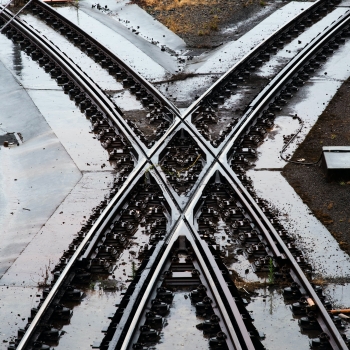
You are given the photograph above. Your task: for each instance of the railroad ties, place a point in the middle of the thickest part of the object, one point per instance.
(183, 250)
(158, 111)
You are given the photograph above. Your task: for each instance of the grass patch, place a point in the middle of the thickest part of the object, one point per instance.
(213, 23)
(167, 5)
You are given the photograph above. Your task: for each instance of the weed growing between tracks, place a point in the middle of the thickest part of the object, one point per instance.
(45, 274)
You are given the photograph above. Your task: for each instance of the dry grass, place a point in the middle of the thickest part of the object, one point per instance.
(179, 24)
(319, 281)
(199, 22)
(167, 5)
(176, 24)
(249, 287)
(178, 15)
(213, 23)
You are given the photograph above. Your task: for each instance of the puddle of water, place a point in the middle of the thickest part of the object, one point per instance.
(273, 317)
(73, 130)
(100, 302)
(180, 331)
(24, 69)
(15, 305)
(89, 318)
(41, 254)
(321, 249)
(339, 294)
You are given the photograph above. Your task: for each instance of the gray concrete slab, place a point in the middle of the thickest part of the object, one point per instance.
(47, 246)
(13, 317)
(34, 177)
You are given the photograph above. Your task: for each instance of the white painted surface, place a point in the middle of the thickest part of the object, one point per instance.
(87, 64)
(73, 130)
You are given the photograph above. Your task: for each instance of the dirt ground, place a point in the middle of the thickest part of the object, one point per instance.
(201, 23)
(329, 201)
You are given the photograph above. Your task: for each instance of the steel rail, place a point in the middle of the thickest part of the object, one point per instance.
(327, 325)
(14, 16)
(182, 227)
(91, 236)
(137, 143)
(109, 53)
(156, 93)
(248, 57)
(174, 127)
(109, 211)
(5, 7)
(184, 118)
(151, 284)
(311, 290)
(80, 77)
(100, 222)
(338, 342)
(230, 299)
(237, 181)
(143, 82)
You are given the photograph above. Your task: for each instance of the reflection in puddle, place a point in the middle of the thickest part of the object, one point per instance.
(273, 317)
(89, 318)
(17, 60)
(180, 331)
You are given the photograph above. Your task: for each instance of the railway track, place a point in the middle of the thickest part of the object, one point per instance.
(178, 190)
(161, 112)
